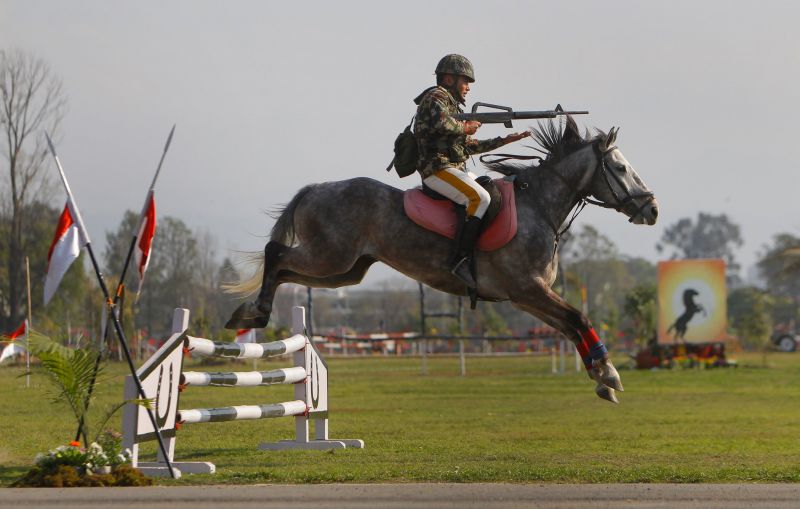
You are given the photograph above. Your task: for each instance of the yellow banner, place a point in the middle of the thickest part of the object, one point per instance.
(692, 301)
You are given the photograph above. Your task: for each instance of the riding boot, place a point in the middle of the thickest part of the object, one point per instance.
(462, 264)
(456, 255)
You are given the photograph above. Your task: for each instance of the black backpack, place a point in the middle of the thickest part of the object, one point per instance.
(406, 152)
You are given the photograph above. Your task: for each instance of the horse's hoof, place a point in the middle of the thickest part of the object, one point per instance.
(608, 375)
(606, 393)
(247, 316)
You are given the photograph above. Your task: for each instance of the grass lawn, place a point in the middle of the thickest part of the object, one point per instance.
(509, 420)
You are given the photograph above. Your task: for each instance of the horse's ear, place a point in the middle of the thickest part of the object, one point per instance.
(571, 132)
(612, 137)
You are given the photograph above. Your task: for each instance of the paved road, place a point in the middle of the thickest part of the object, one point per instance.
(444, 496)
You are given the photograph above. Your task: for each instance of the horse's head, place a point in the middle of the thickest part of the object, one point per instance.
(615, 184)
(580, 167)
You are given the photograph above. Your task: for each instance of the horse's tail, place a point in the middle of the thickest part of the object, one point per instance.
(247, 286)
(283, 232)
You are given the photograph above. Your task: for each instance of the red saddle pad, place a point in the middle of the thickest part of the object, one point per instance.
(440, 216)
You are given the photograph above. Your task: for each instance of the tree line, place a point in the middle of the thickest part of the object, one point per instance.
(184, 271)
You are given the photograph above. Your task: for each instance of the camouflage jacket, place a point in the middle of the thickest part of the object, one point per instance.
(441, 139)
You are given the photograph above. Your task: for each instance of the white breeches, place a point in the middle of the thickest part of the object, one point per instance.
(460, 187)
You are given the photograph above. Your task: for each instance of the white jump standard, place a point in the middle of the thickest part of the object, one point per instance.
(163, 380)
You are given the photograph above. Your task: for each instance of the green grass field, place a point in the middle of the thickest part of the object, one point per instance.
(509, 420)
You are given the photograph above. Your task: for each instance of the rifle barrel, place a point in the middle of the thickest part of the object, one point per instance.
(503, 117)
(546, 114)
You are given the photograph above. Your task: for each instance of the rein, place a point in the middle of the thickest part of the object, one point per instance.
(582, 196)
(576, 210)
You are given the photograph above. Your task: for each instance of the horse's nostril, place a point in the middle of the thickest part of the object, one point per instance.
(655, 211)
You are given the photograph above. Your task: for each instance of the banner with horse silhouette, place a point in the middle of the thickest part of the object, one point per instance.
(692, 301)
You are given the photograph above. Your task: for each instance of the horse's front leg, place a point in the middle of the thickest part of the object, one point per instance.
(547, 305)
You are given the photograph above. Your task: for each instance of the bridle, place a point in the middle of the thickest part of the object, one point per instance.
(582, 195)
(621, 201)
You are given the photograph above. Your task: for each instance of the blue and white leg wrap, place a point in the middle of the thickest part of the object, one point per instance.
(598, 351)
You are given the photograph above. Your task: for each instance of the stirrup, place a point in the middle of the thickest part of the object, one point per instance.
(462, 271)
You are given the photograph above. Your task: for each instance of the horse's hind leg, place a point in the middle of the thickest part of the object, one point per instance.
(255, 315)
(292, 265)
(351, 277)
(556, 312)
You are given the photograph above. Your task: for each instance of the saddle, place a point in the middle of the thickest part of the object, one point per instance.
(440, 215)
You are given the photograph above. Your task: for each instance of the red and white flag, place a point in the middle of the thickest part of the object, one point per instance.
(19, 331)
(144, 239)
(15, 347)
(246, 336)
(65, 248)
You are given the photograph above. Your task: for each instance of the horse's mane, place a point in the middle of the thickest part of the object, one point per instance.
(550, 137)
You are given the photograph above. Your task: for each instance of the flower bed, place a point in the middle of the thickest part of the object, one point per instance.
(72, 465)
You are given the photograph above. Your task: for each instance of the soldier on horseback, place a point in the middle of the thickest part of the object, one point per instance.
(445, 144)
(318, 243)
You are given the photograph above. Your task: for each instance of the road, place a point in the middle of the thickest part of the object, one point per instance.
(438, 496)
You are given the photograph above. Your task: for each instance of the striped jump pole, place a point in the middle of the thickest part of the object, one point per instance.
(238, 413)
(244, 378)
(208, 348)
(164, 380)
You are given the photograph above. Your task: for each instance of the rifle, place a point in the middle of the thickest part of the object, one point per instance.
(508, 114)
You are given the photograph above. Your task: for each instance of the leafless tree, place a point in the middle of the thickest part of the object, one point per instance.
(31, 100)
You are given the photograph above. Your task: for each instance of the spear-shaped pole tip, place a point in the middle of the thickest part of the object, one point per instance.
(50, 142)
(169, 138)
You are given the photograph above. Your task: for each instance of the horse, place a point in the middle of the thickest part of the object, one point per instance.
(330, 233)
(691, 308)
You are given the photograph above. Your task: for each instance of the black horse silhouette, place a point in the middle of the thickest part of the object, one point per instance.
(681, 325)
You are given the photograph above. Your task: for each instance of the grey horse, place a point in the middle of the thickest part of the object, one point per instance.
(329, 235)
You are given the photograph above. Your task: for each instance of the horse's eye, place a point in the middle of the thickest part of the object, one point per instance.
(622, 168)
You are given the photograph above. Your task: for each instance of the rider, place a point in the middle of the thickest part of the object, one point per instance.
(445, 144)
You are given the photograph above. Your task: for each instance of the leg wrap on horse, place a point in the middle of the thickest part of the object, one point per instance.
(597, 350)
(583, 351)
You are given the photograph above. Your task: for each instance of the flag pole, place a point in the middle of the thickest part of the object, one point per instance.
(132, 246)
(28, 323)
(148, 197)
(121, 283)
(117, 326)
(135, 237)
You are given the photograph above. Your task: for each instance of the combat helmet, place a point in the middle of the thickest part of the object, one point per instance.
(456, 64)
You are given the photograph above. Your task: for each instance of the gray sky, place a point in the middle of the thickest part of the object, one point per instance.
(270, 96)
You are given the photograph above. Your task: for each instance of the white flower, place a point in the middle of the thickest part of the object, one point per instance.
(122, 458)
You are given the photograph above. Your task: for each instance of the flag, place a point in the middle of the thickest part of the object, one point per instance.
(64, 250)
(15, 347)
(11, 350)
(19, 331)
(246, 336)
(144, 239)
